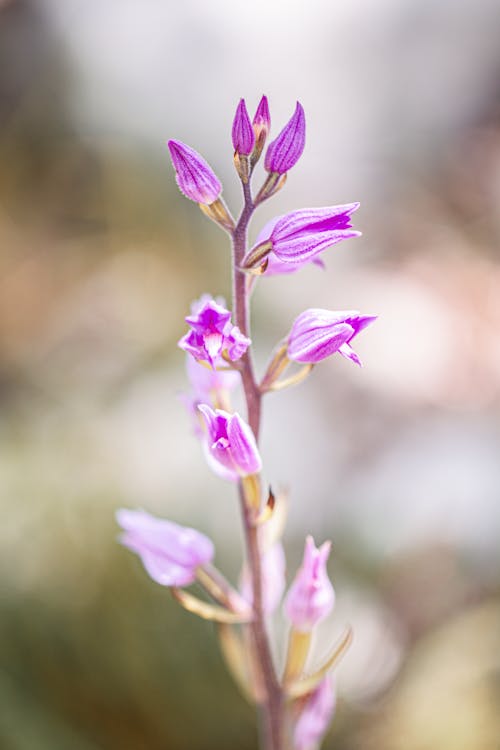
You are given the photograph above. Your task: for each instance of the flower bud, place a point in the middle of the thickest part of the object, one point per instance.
(311, 596)
(231, 446)
(285, 151)
(194, 176)
(261, 126)
(170, 553)
(316, 334)
(242, 132)
(315, 717)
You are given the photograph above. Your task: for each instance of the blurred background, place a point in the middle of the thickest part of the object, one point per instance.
(100, 257)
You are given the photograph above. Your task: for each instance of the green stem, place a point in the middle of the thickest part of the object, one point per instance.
(272, 706)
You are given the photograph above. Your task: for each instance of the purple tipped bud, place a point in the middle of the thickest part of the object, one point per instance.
(315, 717)
(316, 334)
(285, 151)
(169, 552)
(212, 333)
(242, 133)
(311, 596)
(195, 178)
(262, 120)
(231, 444)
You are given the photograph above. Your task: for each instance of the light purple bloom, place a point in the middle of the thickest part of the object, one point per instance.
(299, 237)
(316, 334)
(230, 443)
(262, 120)
(242, 133)
(285, 151)
(310, 597)
(207, 383)
(212, 333)
(195, 178)
(273, 579)
(208, 386)
(169, 552)
(315, 717)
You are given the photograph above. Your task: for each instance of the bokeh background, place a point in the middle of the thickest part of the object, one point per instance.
(100, 257)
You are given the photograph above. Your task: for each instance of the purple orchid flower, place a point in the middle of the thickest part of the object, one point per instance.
(195, 178)
(208, 385)
(299, 237)
(315, 717)
(316, 334)
(170, 553)
(243, 133)
(311, 596)
(230, 444)
(285, 151)
(212, 334)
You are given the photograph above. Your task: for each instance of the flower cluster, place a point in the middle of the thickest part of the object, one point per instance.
(219, 359)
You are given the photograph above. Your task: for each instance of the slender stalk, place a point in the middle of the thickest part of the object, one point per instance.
(272, 706)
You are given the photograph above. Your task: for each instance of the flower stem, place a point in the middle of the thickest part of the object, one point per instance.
(271, 708)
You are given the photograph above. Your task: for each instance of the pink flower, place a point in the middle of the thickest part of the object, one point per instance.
(311, 596)
(299, 237)
(316, 334)
(231, 444)
(315, 717)
(195, 178)
(170, 553)
(212, 333)
(285, 151)
(208, 385)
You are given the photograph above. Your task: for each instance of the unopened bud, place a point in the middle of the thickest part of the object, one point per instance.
(285, 151)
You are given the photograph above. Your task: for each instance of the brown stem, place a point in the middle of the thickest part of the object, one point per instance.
(272, 706)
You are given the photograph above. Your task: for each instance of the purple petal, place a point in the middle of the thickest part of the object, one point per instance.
(227, 473)
(348, 352)
(195, 178)
(236, 344)
(285, 151)
(311, 595)
(315, 344)
(315, 717)
(243, 447)
(318, 333)
(309, 220)
(169, 552)
(243, 135)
